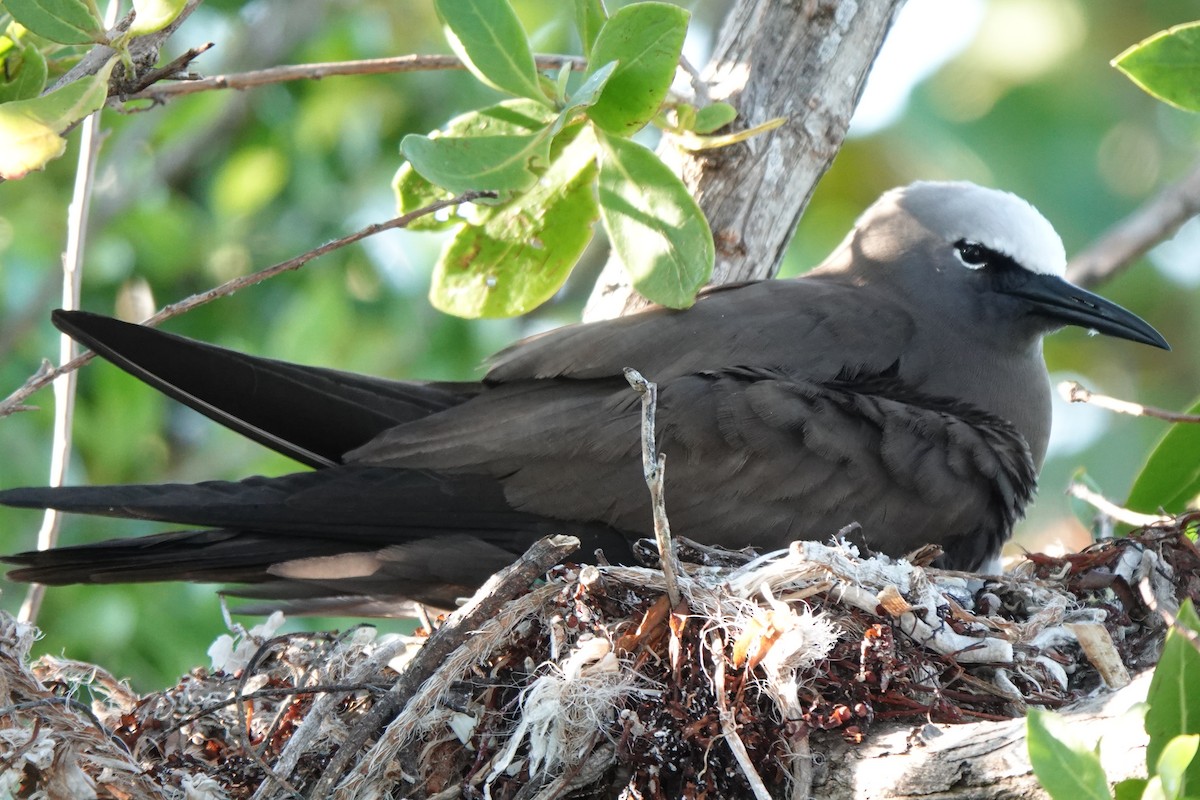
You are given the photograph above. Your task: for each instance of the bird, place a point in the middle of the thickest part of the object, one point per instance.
(899, 385)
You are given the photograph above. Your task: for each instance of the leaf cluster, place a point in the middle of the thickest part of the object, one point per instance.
(40, 38)
(560, 159)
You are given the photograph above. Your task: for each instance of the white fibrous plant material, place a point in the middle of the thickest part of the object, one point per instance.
(230, 655)
(562, 710)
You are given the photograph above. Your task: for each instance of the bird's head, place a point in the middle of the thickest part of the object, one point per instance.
(980, 258)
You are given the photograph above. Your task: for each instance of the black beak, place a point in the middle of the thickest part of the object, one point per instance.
(1067, 304)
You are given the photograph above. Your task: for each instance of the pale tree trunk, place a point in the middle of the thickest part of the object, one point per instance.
(804, 60)
(980, 760)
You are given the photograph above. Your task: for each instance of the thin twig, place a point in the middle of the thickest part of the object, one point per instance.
(297, 72)
(44, 376)
(72, 280)
(1075, 392)
(1154, 221)
(729, 722)
(700, 87)
(243, 723)
(801, 769)
(654, 469)
(169, 70)
(314, 721)
(1111, 509)
(501, 588)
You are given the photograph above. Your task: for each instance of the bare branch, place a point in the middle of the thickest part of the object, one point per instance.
(43, 377)
(729, 725)
(171, 69)
(653, 467)
(297, 72)
(1075, 392)
(1155, 221)
(1111, 509)
(72, 281)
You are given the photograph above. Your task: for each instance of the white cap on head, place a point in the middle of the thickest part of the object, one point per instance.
(1000, 221)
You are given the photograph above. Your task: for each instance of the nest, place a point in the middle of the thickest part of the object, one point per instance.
(592, 684)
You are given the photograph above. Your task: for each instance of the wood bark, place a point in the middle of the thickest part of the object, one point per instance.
(804, 60)
(977, 761)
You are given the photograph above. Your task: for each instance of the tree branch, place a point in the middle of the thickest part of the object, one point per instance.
(295, 72)
(1155, 221)
(46, 375)
(1075, 392)
(805, 61)
(72, 281)
(654, 469)
(143, 50)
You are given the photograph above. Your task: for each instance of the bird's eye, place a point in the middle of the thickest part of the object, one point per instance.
(973, 255)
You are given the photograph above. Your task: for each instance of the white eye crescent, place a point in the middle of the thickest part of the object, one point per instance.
(972, 254)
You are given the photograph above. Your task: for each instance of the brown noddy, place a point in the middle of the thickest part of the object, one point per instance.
(899, 385)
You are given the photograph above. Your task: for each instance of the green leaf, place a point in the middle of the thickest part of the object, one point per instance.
(414, 192)
(154, 15)
(1173, 764)
(713, 116)
(1154, 790)
(682, 117)
(523, 251)
(1130, 789)
(62, 21)
(1170, 478)
(560, 83)
(1167, 65)
(1174, 698)
(496, 148)
(29, 129)
(646, 40)
(585, 96)
(497, 163)
(654, 224)
(1067, 771)
(590, 17)
(488, 37)
(25, 71)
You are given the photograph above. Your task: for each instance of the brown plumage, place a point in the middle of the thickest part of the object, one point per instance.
(900, 385)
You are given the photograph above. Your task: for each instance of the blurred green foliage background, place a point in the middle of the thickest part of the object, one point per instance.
(223, 183)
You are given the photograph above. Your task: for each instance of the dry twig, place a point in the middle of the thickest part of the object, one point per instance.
(1075, 392)
(72, 281)
(295, 72)
(1154, 221)
(1110, 509)
(43, 377)
(653, 467)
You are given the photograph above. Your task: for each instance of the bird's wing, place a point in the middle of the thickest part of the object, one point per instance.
(753, 457)
(816, 327)
(336, 532)
(311, 414)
